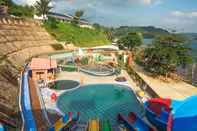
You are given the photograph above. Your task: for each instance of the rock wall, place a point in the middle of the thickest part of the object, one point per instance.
(20, 40)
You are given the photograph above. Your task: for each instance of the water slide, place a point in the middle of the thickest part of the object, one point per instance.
(67, 121)
(1, 127)
(134, 122)
(25, 102)
(184, 115)
(172, 115)
(93, 125)
(29, 123)
(157, 112)
(106, 126)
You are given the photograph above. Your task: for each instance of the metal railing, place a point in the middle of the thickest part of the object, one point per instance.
(141, 83)
(43, 107)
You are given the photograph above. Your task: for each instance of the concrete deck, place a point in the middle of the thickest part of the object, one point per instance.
(173, 89)
(85, 79)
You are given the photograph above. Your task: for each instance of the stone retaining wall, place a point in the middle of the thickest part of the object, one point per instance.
(20, 40)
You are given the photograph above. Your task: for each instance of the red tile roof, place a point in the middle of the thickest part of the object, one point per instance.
(42, 63)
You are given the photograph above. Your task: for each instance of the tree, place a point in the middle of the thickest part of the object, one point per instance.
(109, 33)
(79, 13)
(97, 26)
(6, 2)
(42, 7)
(77, 17)
(18, 10)
(22, 11)
(52, 22)
(165, 54)
(130, 41)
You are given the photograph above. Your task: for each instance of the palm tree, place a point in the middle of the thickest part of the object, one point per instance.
(77, 16)
(42, 7)
(6, 2)
(79, 13)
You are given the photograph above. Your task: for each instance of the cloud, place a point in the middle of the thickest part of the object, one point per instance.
(158, 2)
(185, 14)
(144, 2)
(152, 2)
(25, 2)
(181, 21)
(147, 2)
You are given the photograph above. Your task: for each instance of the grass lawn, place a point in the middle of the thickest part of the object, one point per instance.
(82, 37)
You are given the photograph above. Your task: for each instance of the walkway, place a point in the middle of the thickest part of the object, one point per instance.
(41, 123)
(89, 79)
(172, 89)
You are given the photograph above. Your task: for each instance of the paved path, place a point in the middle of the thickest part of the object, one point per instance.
(173, 89)
(41, 123)
(89, 79)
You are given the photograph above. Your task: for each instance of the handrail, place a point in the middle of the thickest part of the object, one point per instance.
(20, 108)
(133, 74)
(43, 106)
(96, 73)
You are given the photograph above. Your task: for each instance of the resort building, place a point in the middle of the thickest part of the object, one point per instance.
(43, 69)
(68, 18)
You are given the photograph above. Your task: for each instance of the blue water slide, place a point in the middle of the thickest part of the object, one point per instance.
(124, 121)
(185, 115)
(27, 114)
(136, 124)
(2, 127)
(160, 121)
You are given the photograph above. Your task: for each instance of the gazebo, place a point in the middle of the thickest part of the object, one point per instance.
(43, 69)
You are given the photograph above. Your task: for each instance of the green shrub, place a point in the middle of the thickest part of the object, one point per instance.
(118, 70)
(84, 61)
(57, 46)
(69, 69)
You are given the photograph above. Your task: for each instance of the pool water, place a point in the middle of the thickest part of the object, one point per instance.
(98, 70)
(103, 101)
(64, 84)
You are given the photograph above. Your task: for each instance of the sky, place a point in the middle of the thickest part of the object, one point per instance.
(179, 15)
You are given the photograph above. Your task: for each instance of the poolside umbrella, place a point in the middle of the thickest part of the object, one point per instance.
(80, 52)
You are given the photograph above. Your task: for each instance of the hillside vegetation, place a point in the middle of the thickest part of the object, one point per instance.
(83, 37)
(18, 10)
(147, 31)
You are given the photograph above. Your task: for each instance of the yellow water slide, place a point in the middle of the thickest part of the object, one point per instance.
(93, 125)
(66, 121)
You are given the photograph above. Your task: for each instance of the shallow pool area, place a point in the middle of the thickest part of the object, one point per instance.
(98, 70)
(64, 84)
(103, 101)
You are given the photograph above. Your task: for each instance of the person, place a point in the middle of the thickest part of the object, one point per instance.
(81, 81)
(53, 97)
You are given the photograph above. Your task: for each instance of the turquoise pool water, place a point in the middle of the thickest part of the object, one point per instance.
(103, 101)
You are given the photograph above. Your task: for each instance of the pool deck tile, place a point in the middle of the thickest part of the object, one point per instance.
(88, 79)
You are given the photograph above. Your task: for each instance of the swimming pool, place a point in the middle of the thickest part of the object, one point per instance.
(64, 84)
(98, 70)
(103, 101)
